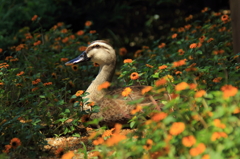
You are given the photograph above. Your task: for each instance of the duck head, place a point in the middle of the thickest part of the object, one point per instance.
(98, 52)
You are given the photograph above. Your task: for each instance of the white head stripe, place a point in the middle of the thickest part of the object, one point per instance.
(98, 42)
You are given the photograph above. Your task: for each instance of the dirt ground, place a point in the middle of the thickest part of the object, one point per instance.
(73, 144)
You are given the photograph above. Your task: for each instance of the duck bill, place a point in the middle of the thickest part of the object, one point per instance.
(81, 58)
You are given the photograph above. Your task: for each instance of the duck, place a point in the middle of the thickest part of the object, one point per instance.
(112, 110)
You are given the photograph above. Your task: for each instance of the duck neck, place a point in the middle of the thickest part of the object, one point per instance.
(105, 74)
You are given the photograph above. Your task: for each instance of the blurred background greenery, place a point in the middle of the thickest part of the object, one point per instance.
(131, 24)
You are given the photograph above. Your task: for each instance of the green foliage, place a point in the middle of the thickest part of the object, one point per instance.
(36, 87)
(200, 78)
(17, 14)
(194, 79)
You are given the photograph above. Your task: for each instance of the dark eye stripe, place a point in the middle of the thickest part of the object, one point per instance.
(96, 46)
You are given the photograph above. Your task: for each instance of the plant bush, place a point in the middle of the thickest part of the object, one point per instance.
(196, 69)
(37, 87)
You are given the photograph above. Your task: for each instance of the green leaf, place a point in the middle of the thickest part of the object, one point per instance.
(155, 75)
(42, 96)
(132, 124)
(76, 135)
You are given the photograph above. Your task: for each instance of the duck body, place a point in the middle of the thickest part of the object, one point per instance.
(113, 106)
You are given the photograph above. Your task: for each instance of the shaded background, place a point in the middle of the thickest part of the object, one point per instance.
(125, 23)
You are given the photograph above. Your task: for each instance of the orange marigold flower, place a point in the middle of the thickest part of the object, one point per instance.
(1, 50)
(236, 111)
(78, 93)
(191, 69)
(128, 61)
(7, 148)
(181, 86)
(197, 150)
(8, 57)
(28, 36)
(20, 73)
(37, 43)
(65, 40)
(138, 108)
(104, 85)
(181, 29)
(217, 80)
(117, 128)
(122, 51)
(199, 45)
(36, 81)
(224, 18)
(47, 83)
(193, 45)
(188, 26)
(150, 66)
(148, 145)
(177, 128)
(92, 31)
(190, 57)
(174, 36)
(221, 51)
(218, 135)
(68, 155)
(217, 123)
(54, 75)
(34, 89)
(59, 24)
(72, 36)
(146, 89)
(178, 72)
(116, 138)
(91, 104)
(229, 91)
(85, 118)
(202, 38)
(15, 142)
(126, 91)
(205, 9)
(59, 152)
(188, 18)
(160, 82)
(206, 156)
(209, 40)
(64, 59)
(179, 63)
(80, 32)
(162, 45)
(88, 23)
(188, 141)
(192, 85)
(74, 67)
(222, 29)
(181, 51)
(34, 17)
(98, 141)
(200, 93)
(137, 53)
(162, 67)
(82, 48)
(159, 116)
(134, 76)
(64, 31)
(107, 133)
(14, 59)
